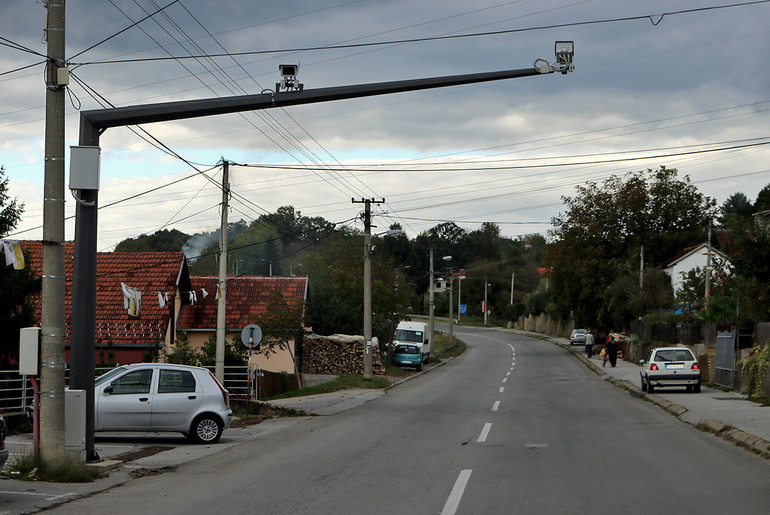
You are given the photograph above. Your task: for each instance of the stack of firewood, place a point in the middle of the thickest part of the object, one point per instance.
(337, 354)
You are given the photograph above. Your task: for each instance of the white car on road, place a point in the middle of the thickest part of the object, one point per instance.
(670, 366)
(162, 397)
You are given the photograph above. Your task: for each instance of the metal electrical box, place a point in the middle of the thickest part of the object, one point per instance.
(29, 351)
(75, 424)
(85, 166)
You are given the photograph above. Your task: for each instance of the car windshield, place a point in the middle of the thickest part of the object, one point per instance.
(408, 335)
(674, 355)
(109, 375)
(407, 349)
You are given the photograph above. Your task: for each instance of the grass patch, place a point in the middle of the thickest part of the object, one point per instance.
(27, 468)
(447, 346)
(344, 382)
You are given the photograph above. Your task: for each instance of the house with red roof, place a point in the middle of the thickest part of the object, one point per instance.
(121, 336)
(246, 297)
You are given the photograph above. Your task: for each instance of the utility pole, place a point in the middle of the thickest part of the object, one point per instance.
(431, 306)
(52, 317)
(367, 282)
(486, 306)
(706, 295)
(512, 288)
(641, 269)
(219, 369)
(451, 302)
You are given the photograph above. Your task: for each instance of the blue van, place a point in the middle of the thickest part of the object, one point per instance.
(408, 355)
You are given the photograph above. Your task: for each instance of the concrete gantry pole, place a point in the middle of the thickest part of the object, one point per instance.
(52, 317)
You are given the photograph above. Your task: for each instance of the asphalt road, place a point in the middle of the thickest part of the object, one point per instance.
(515, 425)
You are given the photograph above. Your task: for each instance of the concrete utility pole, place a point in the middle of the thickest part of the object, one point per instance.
(93, 123)
(367, 283)
(431, 306)
(486, 306)
(707, 294)
(219, 360)
(52, 317)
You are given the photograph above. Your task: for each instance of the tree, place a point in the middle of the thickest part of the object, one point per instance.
(763, 199)
(161, 241)
(737, 206)
(18, 288)
(599, 239)
(281, 323)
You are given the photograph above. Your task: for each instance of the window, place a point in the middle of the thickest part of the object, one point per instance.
(171, 381)
(137, 381)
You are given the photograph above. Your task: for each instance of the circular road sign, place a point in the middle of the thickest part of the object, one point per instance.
(251, 335)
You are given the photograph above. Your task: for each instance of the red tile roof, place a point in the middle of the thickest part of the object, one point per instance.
(245, 295)
(151, 272)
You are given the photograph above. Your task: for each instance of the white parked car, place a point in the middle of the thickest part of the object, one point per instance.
(162, 397)
(670, 366)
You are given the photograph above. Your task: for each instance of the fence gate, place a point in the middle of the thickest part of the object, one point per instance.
(725, 360)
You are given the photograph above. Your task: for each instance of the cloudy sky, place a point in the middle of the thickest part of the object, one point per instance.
(655, 83)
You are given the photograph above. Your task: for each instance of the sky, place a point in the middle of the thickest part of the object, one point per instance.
(676, 83)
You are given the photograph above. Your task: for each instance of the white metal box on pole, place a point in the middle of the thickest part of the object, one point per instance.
(75, 424)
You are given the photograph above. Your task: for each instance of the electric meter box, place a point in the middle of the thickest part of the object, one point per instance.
(85, 167)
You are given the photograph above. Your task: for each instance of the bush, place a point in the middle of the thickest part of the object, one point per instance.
(757, 365)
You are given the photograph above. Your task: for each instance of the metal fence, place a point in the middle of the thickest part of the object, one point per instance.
(16, 392)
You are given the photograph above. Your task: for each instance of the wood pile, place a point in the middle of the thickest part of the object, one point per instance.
(337, 354)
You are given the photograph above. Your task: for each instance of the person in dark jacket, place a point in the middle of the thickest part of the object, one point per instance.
(612, 350)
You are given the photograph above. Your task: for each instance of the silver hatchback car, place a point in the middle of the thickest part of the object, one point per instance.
(162, 397)
(670, 366)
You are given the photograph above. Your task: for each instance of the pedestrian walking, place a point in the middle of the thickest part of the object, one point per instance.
(612, 351)
(589, 344)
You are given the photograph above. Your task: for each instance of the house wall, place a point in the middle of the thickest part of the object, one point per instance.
(278, 362)
(697, 260)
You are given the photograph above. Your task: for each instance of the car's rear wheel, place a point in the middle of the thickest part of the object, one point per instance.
(689, 388)
(650, 388)
(696, 388)
(205, 429)
(644, 385)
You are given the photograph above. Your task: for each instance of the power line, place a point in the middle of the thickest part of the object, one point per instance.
(655, 19)
(124, 30)
(547, 165)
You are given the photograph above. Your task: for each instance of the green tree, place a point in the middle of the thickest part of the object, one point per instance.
(763, 199)
(597, 241)
(18, 288)
(282, 323)
(161, 241)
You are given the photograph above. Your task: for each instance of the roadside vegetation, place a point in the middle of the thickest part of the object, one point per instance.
(27, 468)
(344, 382)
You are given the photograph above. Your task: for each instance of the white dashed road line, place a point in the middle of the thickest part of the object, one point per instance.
(495, 405)
(453, 502)
(484, 432)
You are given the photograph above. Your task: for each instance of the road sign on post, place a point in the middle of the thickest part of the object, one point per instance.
(251, 335)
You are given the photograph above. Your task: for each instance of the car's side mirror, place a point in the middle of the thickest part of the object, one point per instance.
(108, 390)
(426, 341)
